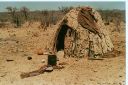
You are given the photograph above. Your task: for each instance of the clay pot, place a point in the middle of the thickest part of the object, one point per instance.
(40, 51)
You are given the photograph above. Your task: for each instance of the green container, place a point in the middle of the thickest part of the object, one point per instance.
(52, 60)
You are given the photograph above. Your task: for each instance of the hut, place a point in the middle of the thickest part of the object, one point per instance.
(81, 33)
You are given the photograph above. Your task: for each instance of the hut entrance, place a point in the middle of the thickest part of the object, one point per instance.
(61, 37)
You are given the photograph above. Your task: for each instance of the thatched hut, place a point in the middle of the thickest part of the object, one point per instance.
(82, 32)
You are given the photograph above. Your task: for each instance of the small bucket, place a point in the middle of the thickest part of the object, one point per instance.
(52, 60)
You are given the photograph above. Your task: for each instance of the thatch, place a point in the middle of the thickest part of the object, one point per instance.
(87, 20)
(82, 32)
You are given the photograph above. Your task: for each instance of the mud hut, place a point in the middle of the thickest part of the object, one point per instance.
(81, 33)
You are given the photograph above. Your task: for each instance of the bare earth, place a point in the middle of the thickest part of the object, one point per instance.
(19, 43)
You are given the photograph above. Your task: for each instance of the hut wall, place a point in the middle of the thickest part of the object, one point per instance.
(85, 41)
(99, 46)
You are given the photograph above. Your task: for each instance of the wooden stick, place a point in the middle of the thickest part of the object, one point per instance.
(38, 72)
(34, 73)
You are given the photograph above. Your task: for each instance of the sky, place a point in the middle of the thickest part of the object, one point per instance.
(54, 5)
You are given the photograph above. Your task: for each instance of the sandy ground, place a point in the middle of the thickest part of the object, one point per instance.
(19, 43)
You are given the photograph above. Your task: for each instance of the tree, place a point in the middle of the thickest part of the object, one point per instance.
(65, 9)
(46, 17)
(25, 12)
(117, 20)
(12, 11)
(15, 16)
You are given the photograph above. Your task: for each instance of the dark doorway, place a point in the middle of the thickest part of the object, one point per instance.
(61, 37)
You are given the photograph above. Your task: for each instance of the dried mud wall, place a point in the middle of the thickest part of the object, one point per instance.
(86, 43)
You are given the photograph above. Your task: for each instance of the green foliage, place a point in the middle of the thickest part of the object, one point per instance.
(18, 17)
(112, 15)
(65, 9)
(14, 15)
(25, 13)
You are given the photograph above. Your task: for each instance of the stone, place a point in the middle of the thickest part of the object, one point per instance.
(43, 61)
(40, 51)
(29, 58)
(49, 69)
